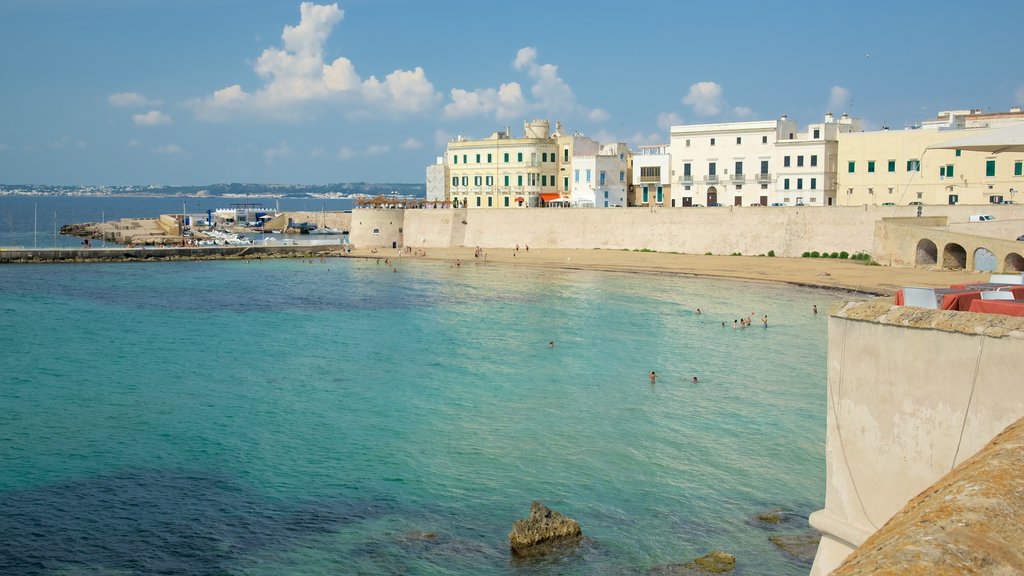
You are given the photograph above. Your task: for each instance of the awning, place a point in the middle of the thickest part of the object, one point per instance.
(1006, 139)
(519, 198)
(549, 196)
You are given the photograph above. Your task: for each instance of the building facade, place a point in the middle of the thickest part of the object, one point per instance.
(652, 177)
(598, 177)
(898, 167)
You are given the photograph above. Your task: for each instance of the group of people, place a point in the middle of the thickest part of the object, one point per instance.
(654, 377)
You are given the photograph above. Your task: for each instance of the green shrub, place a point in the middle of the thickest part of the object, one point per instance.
(771, 253)
(805, 255)
(736, 254)
(844, 255)
(834, 255)
(707, 254)
(815, 254)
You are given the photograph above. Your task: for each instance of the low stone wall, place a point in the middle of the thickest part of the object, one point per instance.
(150, 254)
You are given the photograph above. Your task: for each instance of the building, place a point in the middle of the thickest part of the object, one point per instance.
(652, 177)
(896, 166)
(437, 177)
(503, 172)
(598, 174)
(807, 163)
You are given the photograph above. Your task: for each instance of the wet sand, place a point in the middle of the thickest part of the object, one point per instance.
(820, 272)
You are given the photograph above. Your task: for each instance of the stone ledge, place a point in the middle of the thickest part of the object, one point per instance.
(883, 311)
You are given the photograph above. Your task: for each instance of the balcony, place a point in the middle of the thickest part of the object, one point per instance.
(711, 179)
(655, 178)
(686, 179)
(764, 178)
(738, 178)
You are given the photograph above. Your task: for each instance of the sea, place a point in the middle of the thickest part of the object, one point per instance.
(335, 417)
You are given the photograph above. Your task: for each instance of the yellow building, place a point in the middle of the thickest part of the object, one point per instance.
(504, 172)
(896, 166)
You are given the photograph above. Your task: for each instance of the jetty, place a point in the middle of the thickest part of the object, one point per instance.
(166, 253)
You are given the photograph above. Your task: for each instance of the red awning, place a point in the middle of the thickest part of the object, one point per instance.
(519, 198)
(549, 196)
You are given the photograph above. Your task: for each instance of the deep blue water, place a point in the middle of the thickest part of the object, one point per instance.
(283, 417)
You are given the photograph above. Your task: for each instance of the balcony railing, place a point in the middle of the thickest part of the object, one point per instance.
(711, 179)
(686, 179)
(649, 178)
(738, 178)
(764, 178)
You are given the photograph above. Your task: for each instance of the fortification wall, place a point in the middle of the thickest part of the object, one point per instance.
(378, 228)
(901, 414)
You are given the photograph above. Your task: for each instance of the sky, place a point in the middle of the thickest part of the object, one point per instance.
(179, 92)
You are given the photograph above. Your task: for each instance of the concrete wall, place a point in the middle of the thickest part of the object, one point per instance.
(380, 228)
(899, 243)
(337, 220)
(911, 394)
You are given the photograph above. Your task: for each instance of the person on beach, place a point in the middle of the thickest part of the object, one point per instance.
(815, 308)
(765, 320)
(734, 324)
(653, 376)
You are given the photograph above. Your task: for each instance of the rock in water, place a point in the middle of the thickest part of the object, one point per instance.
(541, 530)
(716, 562)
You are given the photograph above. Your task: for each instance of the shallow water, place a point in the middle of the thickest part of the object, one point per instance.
(324, 418)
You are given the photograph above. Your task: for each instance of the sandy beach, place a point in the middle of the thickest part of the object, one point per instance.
(819, 272)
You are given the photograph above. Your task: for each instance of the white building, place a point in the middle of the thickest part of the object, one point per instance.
(598, 174)
(652, 177)
(756, 163)
(437, 179)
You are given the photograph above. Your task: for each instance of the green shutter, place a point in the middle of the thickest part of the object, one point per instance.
(892, 165)
(1018, 168)
(852, 166)
(942, 171)
(957, 151)
(871, 165)
(949, 171)
(990, 168)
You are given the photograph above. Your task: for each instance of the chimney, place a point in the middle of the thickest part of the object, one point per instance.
(829, 118)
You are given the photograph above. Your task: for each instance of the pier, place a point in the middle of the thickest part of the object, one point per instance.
(152, 254)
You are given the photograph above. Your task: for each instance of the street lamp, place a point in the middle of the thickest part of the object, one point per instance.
(1012, 192)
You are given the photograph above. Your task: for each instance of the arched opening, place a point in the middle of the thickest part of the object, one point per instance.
(984, 260)
(954, 257)
(927, 253)
(1014, 263)
(712, 196)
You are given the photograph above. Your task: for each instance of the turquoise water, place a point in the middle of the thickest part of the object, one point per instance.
(287, 417)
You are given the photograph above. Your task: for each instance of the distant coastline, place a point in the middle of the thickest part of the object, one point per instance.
(341, 190)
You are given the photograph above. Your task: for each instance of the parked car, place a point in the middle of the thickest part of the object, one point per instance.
(696, 205)
(917, 203)
(888, 203)
(756, 204)
(778, 204)
(982, 218)
(1020, 238)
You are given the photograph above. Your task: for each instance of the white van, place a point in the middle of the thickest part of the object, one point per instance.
(982, 218)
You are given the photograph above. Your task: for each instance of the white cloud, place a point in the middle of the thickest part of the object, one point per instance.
(345, 153)
(839, 99)
(551, 95)
(151, 118)
(742, 112)
(169, 149)
(667, 120)
(296, 75)
(377, 149)
(705, 98)
(131, 99)
(412, 144)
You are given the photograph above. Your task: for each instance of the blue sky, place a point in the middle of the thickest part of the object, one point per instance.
(204, 91)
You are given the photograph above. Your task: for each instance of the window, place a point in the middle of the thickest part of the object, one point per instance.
(949, 170)
(650, 172)
(814, 183)
(543, 156)
(622, 175)
(601, 177)
(476, 181)
(712, 141)
(1018, 168)
(543, 179)
(686, 170)
(817, 133)
(455, 180)
(605, 194)
(799, 183)
(456, 158)
(800, 161)
(739, 168)
(852, 167)
(892, 166)
(712, 168)
(659, 200)
(576, 175)
(477, 158)
(814, 160)
(954, 198)
(464, 161)
(506, 180)
(764, 139)
(490, 201)
(785, 184)
(506, 156)
(519, 157)
(565, 184)
(958, 154)
(488, 158)
(687, 142)
(490, 180)
(990, 168)
(588, 174)
(465, 180)
(477, 201)
(739, 140)
(506, 201)
(785, 161)
(519, 180)
(645, 195)
(764, 167)
(871, 166)
(565, 154)
(912, 166)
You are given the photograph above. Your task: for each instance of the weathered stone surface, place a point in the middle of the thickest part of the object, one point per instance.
(715, 562)
(971, 521)
(801, 547)
(543, 530)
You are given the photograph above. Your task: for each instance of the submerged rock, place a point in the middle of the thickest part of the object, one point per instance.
(715, 562)
(543, 531)
(802, 547)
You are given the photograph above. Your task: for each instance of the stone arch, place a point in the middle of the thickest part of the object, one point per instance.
(927, 253)
(984, 260)
(1013, 263)
(954, 257)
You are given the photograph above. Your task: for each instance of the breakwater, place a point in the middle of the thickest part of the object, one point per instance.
(148, 254)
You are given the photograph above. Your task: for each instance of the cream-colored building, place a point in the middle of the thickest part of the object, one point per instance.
(897, 167)
(504, 172)
(652, 177)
